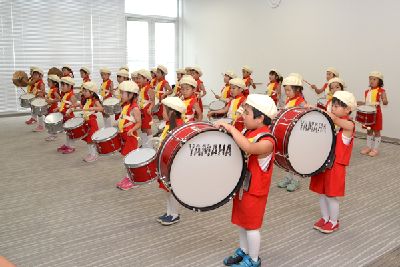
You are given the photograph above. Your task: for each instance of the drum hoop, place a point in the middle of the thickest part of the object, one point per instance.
(366, 112)
(209, 106)
(104, 140)
(111, 153)
(144, 163)
(72, 128)
(53, 123)
(108, 105)
(172, 157)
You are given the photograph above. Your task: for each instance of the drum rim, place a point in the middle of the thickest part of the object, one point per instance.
(29, 99)
(142, 163)
(172, 157)
(209, 106)
(107, 139)
(79, 125)
(366, 112)
(52, 114)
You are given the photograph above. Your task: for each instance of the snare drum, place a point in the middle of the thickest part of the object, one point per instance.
(78, 94)
(227, 120)
(26, 100)
(322, 102)
(107, 141)
(202, 166)
(305, 140)
(217, 105)
(156, 107)
(76, 128)
(54, 123)
(141, 166)
(39, 107)
(112, 105)
(366, 114)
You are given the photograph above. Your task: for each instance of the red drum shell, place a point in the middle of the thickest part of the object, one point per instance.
(366, 118)
(81, 131)
(142, 173)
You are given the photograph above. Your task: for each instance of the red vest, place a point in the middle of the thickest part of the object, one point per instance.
(342, 151)
(36, 87)
(160, 87)
(144, 95)
(90, 105)
(198, 85)
(65, 106)
(51, 95)
(128, 113)
(294, 102)
(189, 102)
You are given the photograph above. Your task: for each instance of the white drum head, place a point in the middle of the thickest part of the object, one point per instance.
(77, 91)
(206, 169)
(217, 105)
(310, 142)
(229, 121)
(323, 101)
(139, 156)
(53, 118)
(111, 101)
(74, 122)
(364, 108)
(39, 102)
(27, 96)
(104, 133)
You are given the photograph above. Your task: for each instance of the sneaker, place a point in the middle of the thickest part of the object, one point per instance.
(248, 262)
(87, 157)
(68, 150)
(122, 182)
(39, 129)
(366, 151)
(318, 225)
(51, 138)
(91, 158)
(31, 121)
(161, 218)
(374, 153)
(169, 220)
(328, 228)
(235, 258)
(62, 148)
(294, 185)
(128, 185)
(284, 183)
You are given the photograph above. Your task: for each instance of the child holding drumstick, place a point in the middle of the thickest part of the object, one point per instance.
(274, 85)
(226, 91)
(107, 90)
(39, 91)
(200, 89)
(146, 104)
(53, 97)
(192, 106)
(330, 74)
(67, 71)
(335, 84)
(247, 71)
(179, 75)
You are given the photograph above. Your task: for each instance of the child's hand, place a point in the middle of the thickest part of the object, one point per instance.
(360, 103)
(92, 109)
(314, 87)
(149, 111)
(130, 132)
(217, 97)
(47, 101)
(56, 109)
(115, 125)
(224, 125)
(308, 106)
(210, 113)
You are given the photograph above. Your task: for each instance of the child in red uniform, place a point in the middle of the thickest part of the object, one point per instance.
(107, 90)
(247, 71)
(153, 81)
(188, 90)
(122, 75)
(233, 107)
(330, 183)
(146, 104)
(335, 84)
(129, 122)
(188, 70)
(67, 71)
(173, 108)
(293, 88)
(124, 68)
(226, 91)
(249, 204)
(162, 89)
(53, 97)
(200, 89)
(330, 73)
(39, 91)
(30, 82)
(85, 72)
(274, 85)
(179, 75)
(134, 77)
(373, 96)
(91, 105)
(68, 101)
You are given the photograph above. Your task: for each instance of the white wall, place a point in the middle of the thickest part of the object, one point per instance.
(307, 37)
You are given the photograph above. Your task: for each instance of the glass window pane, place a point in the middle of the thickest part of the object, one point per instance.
(165, 48)
(137, 45)
(155, 7)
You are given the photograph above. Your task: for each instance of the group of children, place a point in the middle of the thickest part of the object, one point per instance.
(146, 96)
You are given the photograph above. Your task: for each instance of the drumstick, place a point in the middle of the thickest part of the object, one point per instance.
(212, 92)
(22, 90)
(258, 83)
(80, 109)
(137, 137)
(307, 82)
(368, 128)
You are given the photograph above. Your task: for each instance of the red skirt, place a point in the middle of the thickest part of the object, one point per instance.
(330, 182)
(116, 116)
(93, 127)
(159, 113)
(130, 143)
(377, 126)
(146, 118)
(249, 212)
(246, 92)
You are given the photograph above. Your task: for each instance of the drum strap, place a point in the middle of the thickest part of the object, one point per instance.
(66, 102)
(129, 118)
(145, 102)
(188, 116)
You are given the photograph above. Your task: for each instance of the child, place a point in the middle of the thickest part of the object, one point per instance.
(188, 70)
(107, 90)
(249, 204)
(85, 72)
(173, 107)
(153, 81)
(330, 73)
(146, 104)
(373, 96)
(293, 88)
(192, 106)
(162, 89)
(335, 84)
(129, 122)
(274, 85)
(68, 101)
(134, 76)
(247, 71)
(226, 91)
(122, 75)
(91, 105)
(330, 183)
(124, 68)
(237, 87)
(53, 97)
(31, 82)
(67, 71)
(179, 74)
(200, 90)
(39, 91)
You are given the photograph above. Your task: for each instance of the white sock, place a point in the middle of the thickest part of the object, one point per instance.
(148, 138)
(92, 150)
(35, 117)
(377, 142)
(333, 205)
(174, 206)
(168, 204)
(369, 141)
(290, 176)
(244, 245)
(108, 122)
(254, 240)
(41, 122)
(71, 143)
(323, 204)
(144, 140)
(66, 141)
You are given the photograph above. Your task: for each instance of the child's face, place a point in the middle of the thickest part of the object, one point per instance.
(124, 96)
(195, 74)
(236, 90)
(329, 75)
(289, 91)
(187, 90)
(105, 76)
(120, 79)
(226, 79)
(159, 74)
(165, 114)
(335, 87)
(339, 110)
(188, 72)
(65, 71)
(153, 75)
(179, 76)
(272, 78)
(65, 87)
(373, 81)
(135, 79)
(245, 73)
(83, 74)
(87, 93)
(50, 83)
(36, 75)
(142, 80)
(248, 116)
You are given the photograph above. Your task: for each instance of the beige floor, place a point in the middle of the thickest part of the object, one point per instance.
(56, 210)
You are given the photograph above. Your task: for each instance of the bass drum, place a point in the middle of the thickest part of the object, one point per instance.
(201, 165)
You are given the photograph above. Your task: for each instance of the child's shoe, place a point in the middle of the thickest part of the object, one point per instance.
(366, 151)
(51, 138)
(374, 153)
(318, 225)
(329, 228)
(62, 148)
(31, 121)
(128, 185)
(39, 129)
(248, 262)
(235, 258)
(161, 218)
(91, 158)
(284, 183)
(68, 150)
(122, 182)
(169, 220)
(294, 185)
